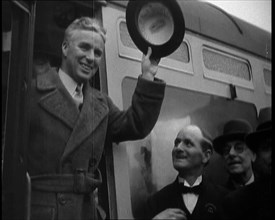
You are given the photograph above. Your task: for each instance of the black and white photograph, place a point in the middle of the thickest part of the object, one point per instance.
(136, 109)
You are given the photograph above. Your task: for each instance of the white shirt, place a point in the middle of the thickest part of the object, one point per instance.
(251, 180)
(190, 199)
(68, 82)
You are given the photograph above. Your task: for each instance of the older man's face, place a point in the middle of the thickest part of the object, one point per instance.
(187, 153)
(264, 156)
(238, 157)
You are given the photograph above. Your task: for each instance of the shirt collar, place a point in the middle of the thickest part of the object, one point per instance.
(197, 182)
(251, 180)
(68, 82)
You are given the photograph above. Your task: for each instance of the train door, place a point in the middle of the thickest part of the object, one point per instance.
(17, 34)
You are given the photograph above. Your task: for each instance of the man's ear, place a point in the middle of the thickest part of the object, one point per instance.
(206, 156)
(65, 46)
(253, 156)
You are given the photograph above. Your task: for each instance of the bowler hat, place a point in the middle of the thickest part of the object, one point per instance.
(235, 129)
(263, 129)
(158, 24)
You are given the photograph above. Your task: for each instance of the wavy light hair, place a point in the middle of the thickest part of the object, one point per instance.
(85, 23)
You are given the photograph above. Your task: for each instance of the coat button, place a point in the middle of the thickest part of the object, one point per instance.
(61, 199)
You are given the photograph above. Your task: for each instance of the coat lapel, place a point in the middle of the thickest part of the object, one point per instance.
(93, 111)
(203, 205)
(57, 100)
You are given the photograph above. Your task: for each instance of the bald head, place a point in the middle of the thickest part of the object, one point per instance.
(192, 151)
(197, 134)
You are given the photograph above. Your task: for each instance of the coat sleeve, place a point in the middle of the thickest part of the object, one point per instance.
(139, 119)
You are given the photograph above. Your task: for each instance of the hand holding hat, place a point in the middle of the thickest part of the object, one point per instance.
(158, 24)
(149, 66)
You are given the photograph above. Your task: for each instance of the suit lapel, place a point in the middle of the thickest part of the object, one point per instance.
(203, 205)
(57, 100)
(200, 202)
(92, 113)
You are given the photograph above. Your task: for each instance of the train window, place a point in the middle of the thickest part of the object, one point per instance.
(125, 37)
(223, 66)
(181, 54)
(179, 60)
(267, 79)
(150, 164)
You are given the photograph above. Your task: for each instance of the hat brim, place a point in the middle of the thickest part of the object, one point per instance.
(253, 139)
(132, 12)
(219, 142)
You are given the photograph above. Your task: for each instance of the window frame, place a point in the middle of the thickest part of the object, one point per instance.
(16, 181)
(167, 62)
(226, 78)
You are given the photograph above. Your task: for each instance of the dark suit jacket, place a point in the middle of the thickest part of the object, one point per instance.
(208, 205)
(63, 139)
(249, 202)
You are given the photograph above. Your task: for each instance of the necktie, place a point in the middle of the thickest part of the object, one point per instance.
(78, 96)
(186, 189)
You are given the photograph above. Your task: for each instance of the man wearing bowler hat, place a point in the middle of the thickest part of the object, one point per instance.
(237, 155)
(254, 201)
(260, 142)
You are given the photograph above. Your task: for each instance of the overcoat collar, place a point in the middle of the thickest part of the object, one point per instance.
(58, 102)
(94, 110)
(56, 99)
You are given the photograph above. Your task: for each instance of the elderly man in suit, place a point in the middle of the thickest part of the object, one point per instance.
(191, 196)
(71, 121)
(254, 201)
(237, 155)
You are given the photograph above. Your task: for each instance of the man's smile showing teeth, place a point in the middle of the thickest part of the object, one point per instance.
(85, 66)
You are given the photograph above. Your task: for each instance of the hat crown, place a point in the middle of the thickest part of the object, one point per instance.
(237, 126)
(264, 119)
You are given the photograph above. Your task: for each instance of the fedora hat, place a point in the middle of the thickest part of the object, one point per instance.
(235, 129)
(263, 130)
(158, 24)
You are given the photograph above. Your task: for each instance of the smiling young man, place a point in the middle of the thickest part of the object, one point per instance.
(191, 195)
(237, 155)
(70, 122)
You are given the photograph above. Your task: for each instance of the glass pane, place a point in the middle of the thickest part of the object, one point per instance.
(181, 54)
(150, 159)
(225, 64)
(125, 37)
(267, 77)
